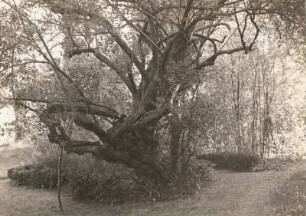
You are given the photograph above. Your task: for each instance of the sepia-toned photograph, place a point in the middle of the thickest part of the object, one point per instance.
(152, 108)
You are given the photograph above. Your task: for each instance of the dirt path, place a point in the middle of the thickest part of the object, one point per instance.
(231, 194)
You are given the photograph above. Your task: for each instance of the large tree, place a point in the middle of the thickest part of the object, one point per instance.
(157, 49)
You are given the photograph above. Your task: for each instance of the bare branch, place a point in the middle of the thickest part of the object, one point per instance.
(88, 124)
(186, 12)
(241, 31)
(211, 60)
(82, 108)
(146, 38)
(152, 115)
(213, 40)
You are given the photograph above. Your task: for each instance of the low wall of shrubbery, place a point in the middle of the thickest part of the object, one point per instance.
(232, 161)
(86, 179)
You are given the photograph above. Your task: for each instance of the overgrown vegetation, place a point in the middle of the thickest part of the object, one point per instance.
(87, 179)
(290, 199)
(40, 176)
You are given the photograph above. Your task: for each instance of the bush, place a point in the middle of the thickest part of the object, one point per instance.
(290, 198)
(85, 179)
(232, 161)
(113, 183)
(195, 175)
(104, 182)
(36, 176)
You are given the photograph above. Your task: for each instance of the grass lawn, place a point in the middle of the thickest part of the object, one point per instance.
(290, 199)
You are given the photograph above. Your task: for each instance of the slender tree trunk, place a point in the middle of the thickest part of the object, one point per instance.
(237, 108)
(254, 115)
(59, 183)
(18, 129)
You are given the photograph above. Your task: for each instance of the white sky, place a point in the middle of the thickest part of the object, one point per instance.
(6, 115)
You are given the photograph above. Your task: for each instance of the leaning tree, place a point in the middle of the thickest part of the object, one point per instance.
(156, 49)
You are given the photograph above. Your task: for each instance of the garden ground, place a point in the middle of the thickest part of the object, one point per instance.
(229, 194)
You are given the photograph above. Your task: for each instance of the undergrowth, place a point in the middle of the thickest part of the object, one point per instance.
(290, 198)
(87, 179)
